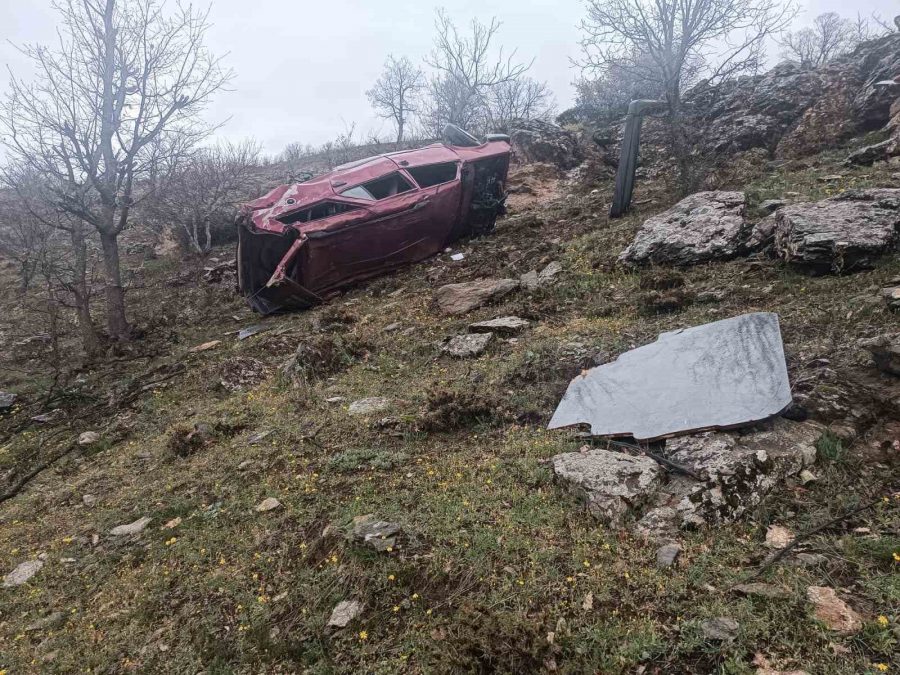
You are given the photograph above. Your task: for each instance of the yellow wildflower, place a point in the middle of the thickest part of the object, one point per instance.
(881, 667)
(396, 608)
(391, 577)
(363, 635)
(882, 620)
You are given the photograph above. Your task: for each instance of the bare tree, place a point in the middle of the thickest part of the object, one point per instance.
(123, 75)
(466, 67)
(522, 98)
(395, 91)
(719, 38)
(203, 190)
(829, 36)
(55, 244)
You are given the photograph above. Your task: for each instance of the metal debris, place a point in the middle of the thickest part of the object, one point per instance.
(716, 376)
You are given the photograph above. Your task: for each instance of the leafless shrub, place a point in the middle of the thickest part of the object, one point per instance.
(829, 36)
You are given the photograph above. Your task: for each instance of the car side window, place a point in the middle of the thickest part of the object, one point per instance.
(317, 212)
(434, 174)
(380, 188)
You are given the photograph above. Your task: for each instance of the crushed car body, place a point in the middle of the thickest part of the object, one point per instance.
(718, 375)
(301, 242)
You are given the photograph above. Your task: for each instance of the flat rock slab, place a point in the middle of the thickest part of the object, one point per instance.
(467, 346)
(719, 375)
(611, 483)
(367, 406)
(701, 227)
(836, 614)
(719, 629)
(131, 528)
(841, 234)
(505, 325)
(7, 400)
(667, 554)
(22, 573)
(461, 298)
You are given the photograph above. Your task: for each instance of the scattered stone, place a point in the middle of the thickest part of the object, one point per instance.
(778, 536)
(7, 400)
(831, 178)
(841, 234)
(212, 344)
(505, 325)
(335, 399)
(172, 524)
(131, 528)
(88, 499)
(367, 406)
(891, 296)
(667, 554)
(611, 483)
(836, 614)
(530, 280)
(461, 298)
(765, 668)
(49, 622)
(885, 350)
(392, 327)
(762, 234)
(719, 629)
(88, 438)
(22, 573)
(259, 436)
(878, 152)
(704, 226)
(807, 477)
(587, 604)
(268, 504)
(246, 464)
(467, 346)
(761, 590)
(706, 297)
(49, 417)
(380, 535)
(344, 612)
(549, 273)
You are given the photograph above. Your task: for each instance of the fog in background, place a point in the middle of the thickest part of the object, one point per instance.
(302, 68)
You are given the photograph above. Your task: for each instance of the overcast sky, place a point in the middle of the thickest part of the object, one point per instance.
(302, 67)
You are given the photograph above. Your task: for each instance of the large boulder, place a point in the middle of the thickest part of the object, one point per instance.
(841, 234)
(704, 226)
(540, 141)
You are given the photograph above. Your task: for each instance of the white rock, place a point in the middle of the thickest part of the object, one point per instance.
(22, 573)
(366, 406)
(344, 612)
(778, 536)
(88, 438)
(268, 504)
(131, 528)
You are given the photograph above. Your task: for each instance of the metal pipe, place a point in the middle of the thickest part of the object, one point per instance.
(628, 155)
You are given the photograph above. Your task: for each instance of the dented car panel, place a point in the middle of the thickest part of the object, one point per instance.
(302, 242)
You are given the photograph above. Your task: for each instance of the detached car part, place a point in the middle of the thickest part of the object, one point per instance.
(301, 242)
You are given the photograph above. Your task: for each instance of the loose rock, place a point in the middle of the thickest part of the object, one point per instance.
(704, 226)
(212, 344)
(49, 622)
(761, 590)
(268, 504)
(367, 406)
(885, 350)
(88, 438)
(778, 536)
(7, 400)
(891, 296)
(131, 528)
(667, 554)
(380, 535)
(505, 325)
(467, 346)
(836, 614)
(720, 629)
(344, 612)
(22, 573)
(461, 298)
(611, 483)
(841, 234)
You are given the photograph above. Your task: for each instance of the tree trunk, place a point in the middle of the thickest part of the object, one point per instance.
(89, 340)
(116, 323)
(400, 130)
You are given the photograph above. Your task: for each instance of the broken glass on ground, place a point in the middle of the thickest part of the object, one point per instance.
(718, 375)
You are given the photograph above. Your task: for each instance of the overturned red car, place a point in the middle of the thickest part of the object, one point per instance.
(301, 242)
